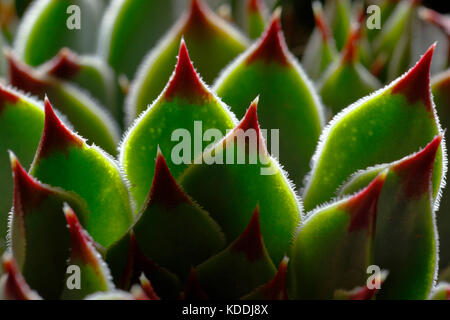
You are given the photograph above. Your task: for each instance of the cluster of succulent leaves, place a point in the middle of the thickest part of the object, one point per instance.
(358, 179)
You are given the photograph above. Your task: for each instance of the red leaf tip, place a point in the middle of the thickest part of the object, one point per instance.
(148, 288)
(82, 244)
(15, 286)
(320, 20)
(255, 6)
(276, 288)
(415, 85)
(28, 192)
(193, 289)
(165, 190)
(7, 96)
(272, 46)
(416, 171)
(56, 136)
(64, 65)
(363, 206)
(22, 76)
(250, 242)
(185, 83)
(350, 51)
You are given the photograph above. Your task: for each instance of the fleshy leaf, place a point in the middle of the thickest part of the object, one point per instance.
(334, 85)
(88, 72)
(94, 273)
(185, 233)
(38, 235)
(440, 87)
(130, 21)
(390, 124)
(45, 29)
(64, 159)
(184, 110)
(12, 284)
(243, 266)
(288, 101)
(320, 50)
(84, 113)
(334, 244)
(257, 15)
(275, 289)
(234, 176)
(21, 123)
(212, 42)
(406, 218)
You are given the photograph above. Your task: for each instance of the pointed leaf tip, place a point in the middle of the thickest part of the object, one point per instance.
(28, 192)
(363, 206)
(250, 242)
(250, 120)
(56, 136)
(15, 286)
(82, 244)
(417, 171)
(272, 46)
(350, 51)
(185, 82)
(64, 65)
(165, 190)
(148, 288)
(415, 85)
(21, 76)
(193, 289)
(198, 13)
(320, 20)
(255, 6)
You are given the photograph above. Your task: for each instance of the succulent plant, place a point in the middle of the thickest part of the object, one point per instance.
(265, 179)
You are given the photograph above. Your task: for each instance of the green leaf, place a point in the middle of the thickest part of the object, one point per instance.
(390, 124)
(333, 247)
(440, 87)
(236, 174)
(2, 56)
(94, 273)
(84, 113)
(88, 72)
(185, 102)
(406, 217)
(64, 159)
(21, 123)
(185, 233)
(288, 101)
(257, 15)
(240, 268)
(213, 44)
(44, 29)
(38, 235)
(320, 50)
(12, 284)
(131, 21)
(334, 85)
